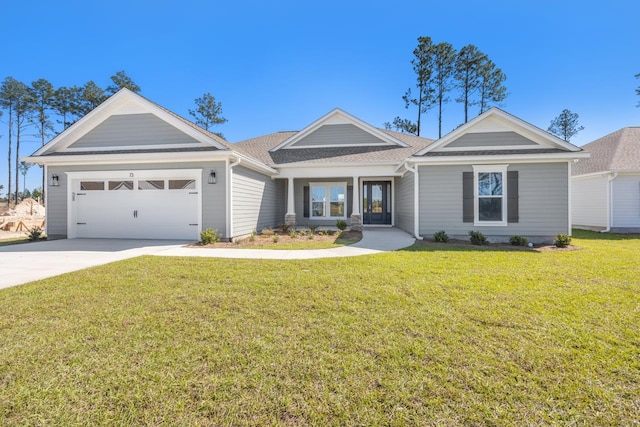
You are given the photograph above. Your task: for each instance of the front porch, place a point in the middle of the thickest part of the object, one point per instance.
(323, 201)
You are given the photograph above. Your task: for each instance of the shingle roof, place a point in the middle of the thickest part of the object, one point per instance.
(617, 151)
(258, 148)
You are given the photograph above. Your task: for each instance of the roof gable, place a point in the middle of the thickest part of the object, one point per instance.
(497, 131)
(128, 121)
(339, 129)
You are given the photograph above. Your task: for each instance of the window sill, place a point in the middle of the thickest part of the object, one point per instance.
(490, 223)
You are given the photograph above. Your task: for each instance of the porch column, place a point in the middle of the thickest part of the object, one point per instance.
(290, 216)
(356, 217)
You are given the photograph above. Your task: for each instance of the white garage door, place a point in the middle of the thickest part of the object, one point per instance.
(140, 205)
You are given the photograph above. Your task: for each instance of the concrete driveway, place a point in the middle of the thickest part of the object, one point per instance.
(25, 263)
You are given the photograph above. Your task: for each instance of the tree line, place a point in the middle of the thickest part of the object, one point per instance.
(440, 69)
(41, 110)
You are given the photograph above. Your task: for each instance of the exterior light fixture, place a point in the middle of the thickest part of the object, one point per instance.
(55, 181)
(212, 177)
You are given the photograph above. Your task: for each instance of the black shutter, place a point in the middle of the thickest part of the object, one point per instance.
(513, 209)
(467, 197)
(349, 200)
(306, 202)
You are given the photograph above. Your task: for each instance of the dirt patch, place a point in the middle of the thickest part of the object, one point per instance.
(498, 246)
(278, 238)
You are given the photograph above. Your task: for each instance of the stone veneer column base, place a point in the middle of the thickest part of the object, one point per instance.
(290, 219)
(356, 222)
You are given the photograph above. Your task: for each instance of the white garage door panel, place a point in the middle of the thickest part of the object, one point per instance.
(134, 213)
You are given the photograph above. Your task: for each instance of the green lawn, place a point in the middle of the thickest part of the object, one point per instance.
(426, 336)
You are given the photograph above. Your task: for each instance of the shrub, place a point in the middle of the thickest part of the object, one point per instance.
(284, 227)
(440, 236)
(518, 241)
(313, 228)
(293, 233)
(477, 238)
(209, 236)
(252, 237)
(275, 238)
(562, 241)
(341, 224)
(330, 232)
(35, 234)
(268, 232)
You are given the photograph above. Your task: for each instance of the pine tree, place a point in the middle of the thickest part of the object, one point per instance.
(120, 80)
(208, 112)
(565, 125)
(467, 75)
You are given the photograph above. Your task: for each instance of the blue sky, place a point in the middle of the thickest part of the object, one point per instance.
(280, 65)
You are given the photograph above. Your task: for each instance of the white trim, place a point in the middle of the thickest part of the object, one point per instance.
(608, 172)
(476, 196)
(545, 136)
(327, 202)
(166, 157)
(46, 199)
(132, 174)
(346, 118)
(569, 192)
(496, 158)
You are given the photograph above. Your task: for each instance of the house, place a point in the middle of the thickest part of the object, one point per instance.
(132, 169)
(606, 186)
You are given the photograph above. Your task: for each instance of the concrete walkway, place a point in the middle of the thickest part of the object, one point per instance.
(374, 240)
(23, 263)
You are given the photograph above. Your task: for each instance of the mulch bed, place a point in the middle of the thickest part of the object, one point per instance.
(498, 246)
(267, 240)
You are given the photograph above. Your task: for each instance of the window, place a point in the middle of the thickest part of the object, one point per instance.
(490, 191)
(91, 185)
(149, 184)
(120, 185)
(328, 200)
(182, 184)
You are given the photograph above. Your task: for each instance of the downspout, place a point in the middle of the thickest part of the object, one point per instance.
(610, 202)
(230, 196)
(416, 210)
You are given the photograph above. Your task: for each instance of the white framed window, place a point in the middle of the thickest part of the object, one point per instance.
(328, 200)
(490, 194)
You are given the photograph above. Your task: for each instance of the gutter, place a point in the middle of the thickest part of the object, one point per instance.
(416, 210)
(610, 201)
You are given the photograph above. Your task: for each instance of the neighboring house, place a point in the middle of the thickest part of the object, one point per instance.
(132, 169)
(606, 186)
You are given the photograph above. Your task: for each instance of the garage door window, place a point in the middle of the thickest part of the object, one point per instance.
(120, 185)
(151, 184)
(91, 185)
(182, 184)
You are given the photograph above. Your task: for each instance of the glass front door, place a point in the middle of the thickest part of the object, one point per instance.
(376, 202)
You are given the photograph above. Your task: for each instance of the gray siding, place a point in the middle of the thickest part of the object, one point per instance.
(338, 135)
(543, 202)
(255, 203)
(404, 212)
(281, 199)
(213, 195)
(491, 139)
(132, 130)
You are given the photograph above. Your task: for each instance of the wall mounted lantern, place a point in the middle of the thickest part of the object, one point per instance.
(55, 181)
(212, 177)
